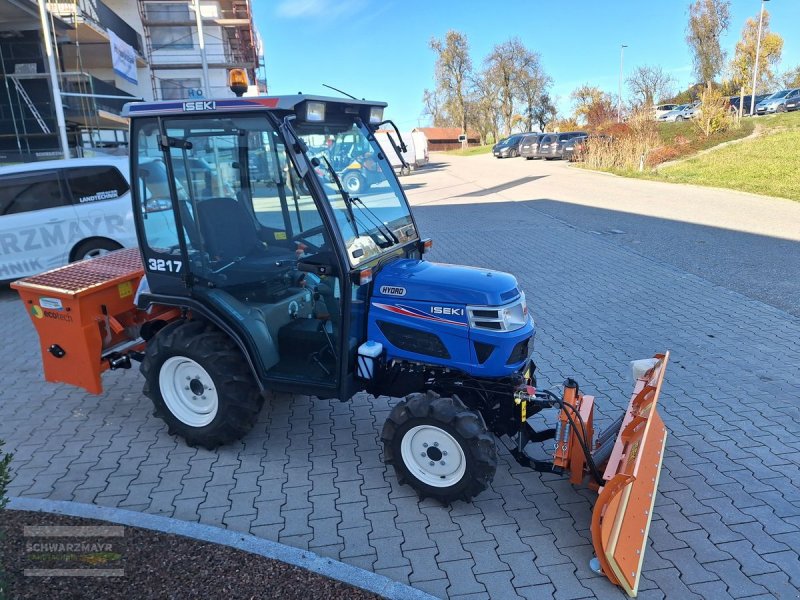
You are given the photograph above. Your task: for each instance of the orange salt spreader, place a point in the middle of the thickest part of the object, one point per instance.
(86, 318)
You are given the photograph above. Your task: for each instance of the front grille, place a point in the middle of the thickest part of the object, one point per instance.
(519, 353)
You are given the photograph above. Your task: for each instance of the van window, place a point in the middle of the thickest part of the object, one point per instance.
(26, 192)
(90, 184)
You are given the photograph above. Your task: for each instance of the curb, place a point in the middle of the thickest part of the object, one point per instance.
(366, 580)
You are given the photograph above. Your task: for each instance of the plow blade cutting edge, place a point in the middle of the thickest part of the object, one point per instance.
(624, 507)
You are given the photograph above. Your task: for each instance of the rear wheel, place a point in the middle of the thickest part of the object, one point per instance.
(439, 447)
(680, 118)
(781, 108)
(200, 384)
(93, 248)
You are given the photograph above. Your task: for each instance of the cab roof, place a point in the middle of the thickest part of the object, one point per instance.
(213, 106)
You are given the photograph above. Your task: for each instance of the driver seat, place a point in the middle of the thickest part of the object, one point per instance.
(228, 229)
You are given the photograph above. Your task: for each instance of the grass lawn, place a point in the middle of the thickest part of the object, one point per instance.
(769, 164)
(471, 151)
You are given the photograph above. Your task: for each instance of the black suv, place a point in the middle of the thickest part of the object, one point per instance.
(508, 147)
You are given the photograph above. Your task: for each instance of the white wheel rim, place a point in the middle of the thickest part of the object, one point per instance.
(95, 252)
(188, 391)
(353, 184)
(433, 456)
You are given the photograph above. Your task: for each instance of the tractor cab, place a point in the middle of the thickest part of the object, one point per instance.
(243, 217)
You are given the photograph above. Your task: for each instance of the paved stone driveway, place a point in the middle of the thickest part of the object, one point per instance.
(727, 520)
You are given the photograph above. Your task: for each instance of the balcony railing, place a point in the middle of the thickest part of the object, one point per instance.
(100, 16)
(94, 95)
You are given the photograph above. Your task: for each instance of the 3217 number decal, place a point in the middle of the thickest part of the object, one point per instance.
(168, 266)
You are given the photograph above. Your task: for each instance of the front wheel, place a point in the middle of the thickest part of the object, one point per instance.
(781, 108)
(439, 447)
(680, 118)
(94, 248)
(353, 183)
(200, 384)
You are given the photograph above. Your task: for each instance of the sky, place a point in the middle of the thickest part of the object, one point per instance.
(378, 49)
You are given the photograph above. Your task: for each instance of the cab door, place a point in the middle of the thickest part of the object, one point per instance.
(38, 224)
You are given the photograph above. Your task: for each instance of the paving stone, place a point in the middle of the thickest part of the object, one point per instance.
(690, 568)
(357, 543)
(424, 566)
(435, 587)
(537, 592)
(500, 584)
(739, 586)
(462, 579)
(389, 552)
(670, 581)
(789, 562)
(567, 584)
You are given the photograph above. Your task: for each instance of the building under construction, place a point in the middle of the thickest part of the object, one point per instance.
(107, 53)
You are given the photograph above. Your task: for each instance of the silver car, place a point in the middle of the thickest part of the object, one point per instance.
(684, 112)
(774, 103)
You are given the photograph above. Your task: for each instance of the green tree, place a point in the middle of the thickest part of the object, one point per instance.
(532, 84)
(744, 58)
(708, 20)
(545, 111)
(453, 75)
(791, 78)
(5, 475)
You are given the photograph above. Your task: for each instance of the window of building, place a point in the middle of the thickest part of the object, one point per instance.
(36, 190)
(178, 37)
(179, 89)
(91, 184)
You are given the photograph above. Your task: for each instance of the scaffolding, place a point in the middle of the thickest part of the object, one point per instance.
(172, 39)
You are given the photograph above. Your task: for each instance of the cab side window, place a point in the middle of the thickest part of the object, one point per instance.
(92, 184)
(28, 192)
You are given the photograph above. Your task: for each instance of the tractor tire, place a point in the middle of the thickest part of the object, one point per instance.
(200, 384)
(353, 183)
(439, 447)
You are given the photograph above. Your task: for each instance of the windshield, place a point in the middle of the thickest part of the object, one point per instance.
(779, 95)
(370, 209)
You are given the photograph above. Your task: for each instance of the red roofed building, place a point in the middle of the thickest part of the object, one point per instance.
(446, 138)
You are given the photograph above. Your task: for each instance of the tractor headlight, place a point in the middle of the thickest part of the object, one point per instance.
(315, 111)
(375, 115)
(499, 318)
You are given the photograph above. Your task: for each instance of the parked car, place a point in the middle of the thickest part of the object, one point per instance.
(529, 146)
(508, 147)
(790, 102)
(672, 115)
(773, 103)
(59, 211)
(734, 102)
(662, 109)
(556, 148)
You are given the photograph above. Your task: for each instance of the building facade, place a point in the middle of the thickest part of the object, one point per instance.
(107, 53)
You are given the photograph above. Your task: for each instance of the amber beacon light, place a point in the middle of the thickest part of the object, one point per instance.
(237, 81)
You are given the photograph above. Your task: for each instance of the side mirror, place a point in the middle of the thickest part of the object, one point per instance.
(321, 263)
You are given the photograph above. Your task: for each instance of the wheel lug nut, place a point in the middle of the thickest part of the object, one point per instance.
(442, 463)
(432, 463)
(186, 388)
(436, 444)
(194, 397)
(424, 445)
(423, 454)
(188, 378)
(203, 397)
(444, 452)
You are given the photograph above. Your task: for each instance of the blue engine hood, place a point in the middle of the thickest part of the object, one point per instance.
(436, 282)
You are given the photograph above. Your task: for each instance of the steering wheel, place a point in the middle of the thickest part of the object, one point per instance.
(303, 236)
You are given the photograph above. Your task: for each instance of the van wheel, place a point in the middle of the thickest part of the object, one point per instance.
(439, 447)
(200, 384)
(93, 248)
(353, 183)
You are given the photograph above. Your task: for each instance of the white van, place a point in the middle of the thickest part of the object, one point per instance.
(383, 139)
(420, 141)
(59, 211)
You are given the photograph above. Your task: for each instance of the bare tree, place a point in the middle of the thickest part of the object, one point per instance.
(532, 83)
(502, 67)
(485, 107)
(453, 74)
(708, 20)
(649, 84)
(432, 107)
(744, 59)
(791, 78)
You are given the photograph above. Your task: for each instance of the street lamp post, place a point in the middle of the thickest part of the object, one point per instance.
(758, 55)
(619, 99)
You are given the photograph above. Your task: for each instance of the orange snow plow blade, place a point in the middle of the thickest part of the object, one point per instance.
(624, 507)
